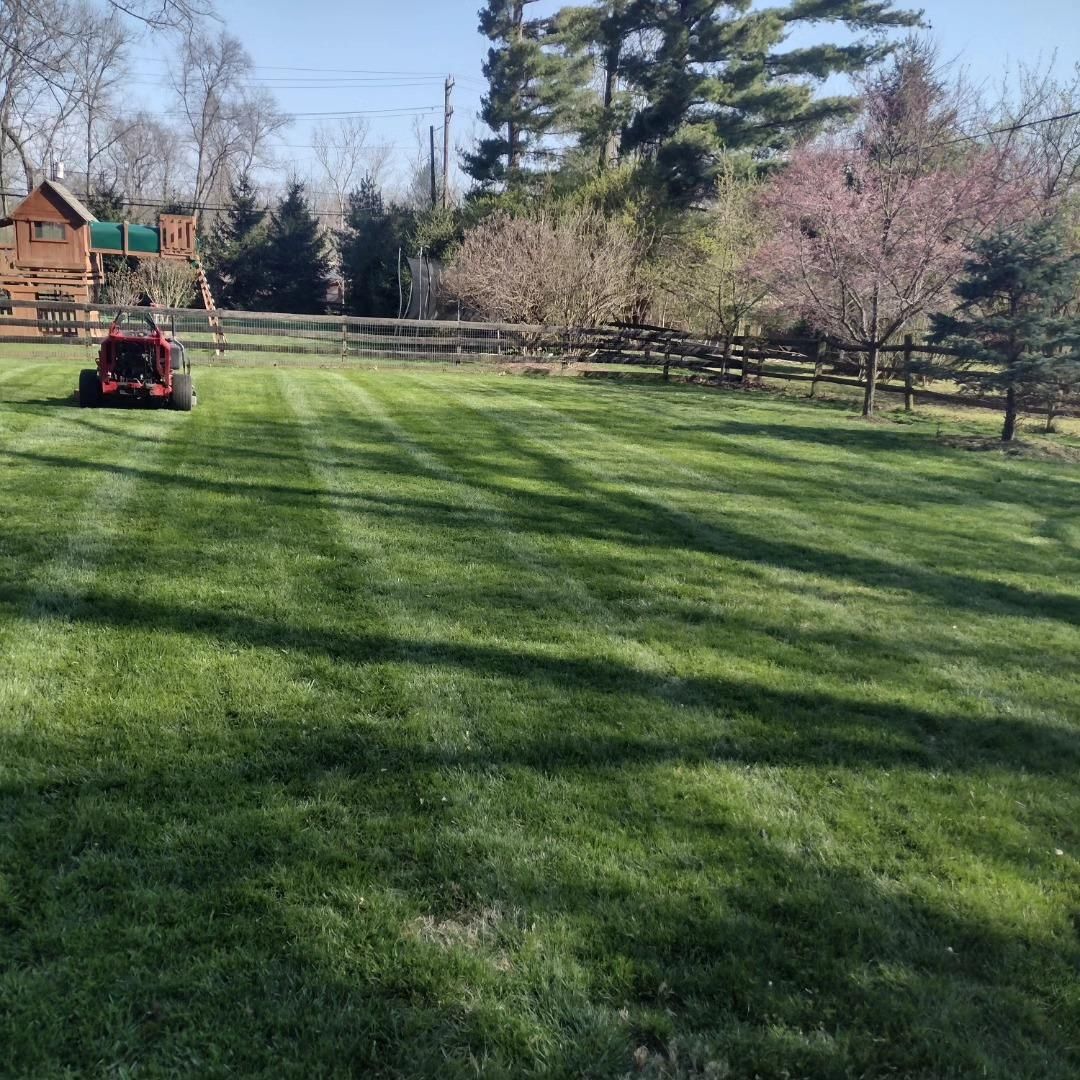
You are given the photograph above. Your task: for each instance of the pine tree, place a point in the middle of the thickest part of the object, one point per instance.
(237, 251)
(1012, 327)
(715, 77)
(531, 88)
(107, 204)
(601, 35)
(373, 236)
(296, 258)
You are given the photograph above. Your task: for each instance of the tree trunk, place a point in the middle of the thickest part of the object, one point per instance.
(870, 397)
(609, 155)
(819, 363)
(909, 379)
(729, 350)
(1009, 431)
(89, 148)
(511, 129)
(24, 158)
(1051, 413)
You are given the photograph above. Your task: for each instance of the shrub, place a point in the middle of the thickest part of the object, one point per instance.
(167, 283)
(574, 268)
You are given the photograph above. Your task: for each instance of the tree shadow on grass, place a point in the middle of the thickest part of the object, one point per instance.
(293, 905)
(583, 506)
(36, 405)
(643, 516)
(753, 723)
(295, 898)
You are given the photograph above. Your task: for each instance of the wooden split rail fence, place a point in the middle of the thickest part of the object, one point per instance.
(261, 338)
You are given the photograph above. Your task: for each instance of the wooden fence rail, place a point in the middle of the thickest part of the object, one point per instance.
(254, 338)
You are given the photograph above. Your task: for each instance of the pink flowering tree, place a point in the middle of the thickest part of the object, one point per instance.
(869, 236)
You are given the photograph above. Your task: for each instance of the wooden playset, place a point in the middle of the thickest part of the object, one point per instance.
(52, 249)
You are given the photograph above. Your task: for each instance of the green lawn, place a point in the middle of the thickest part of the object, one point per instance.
(424, 725)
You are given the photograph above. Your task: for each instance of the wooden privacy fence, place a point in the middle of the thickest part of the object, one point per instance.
(267, 338)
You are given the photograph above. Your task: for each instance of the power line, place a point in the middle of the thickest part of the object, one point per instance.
(342, 146)
(342, 114)
(1008, 130)
(149, 79)
(158, 204)
(348, 71)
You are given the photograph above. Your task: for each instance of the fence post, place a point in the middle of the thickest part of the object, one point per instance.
(819, 363)
(344, 339)
(909, 385)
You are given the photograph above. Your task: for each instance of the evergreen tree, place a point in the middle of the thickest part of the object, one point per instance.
(374, 234)
(715, 77)
(600, 35)
(176, 205)
(296, 258)
(531, 88)
(1012, 327)
(237, 251)
(107, 204)
(367, 200)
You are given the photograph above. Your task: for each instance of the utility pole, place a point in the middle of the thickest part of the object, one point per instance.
(434, 186)
(448, 112)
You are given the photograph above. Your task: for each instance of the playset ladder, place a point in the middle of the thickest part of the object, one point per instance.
(211, 307)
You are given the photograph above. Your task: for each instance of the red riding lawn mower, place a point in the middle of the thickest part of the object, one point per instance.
(138, 362)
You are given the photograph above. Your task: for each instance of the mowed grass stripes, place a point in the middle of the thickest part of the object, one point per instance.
(424, 725)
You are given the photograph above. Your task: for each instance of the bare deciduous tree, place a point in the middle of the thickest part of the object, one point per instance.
(165, 14)
(123, 286)
(35, 85)
(98, 60)
(341, 151)
(578, 269)
(142, 158)
(55, 57)
(1038, 121)
(227, 122)
(260, 119)
(167, 282)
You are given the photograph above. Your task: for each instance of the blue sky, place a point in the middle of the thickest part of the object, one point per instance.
(393, 56)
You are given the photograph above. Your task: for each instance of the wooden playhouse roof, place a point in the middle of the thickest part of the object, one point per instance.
(68, 198)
